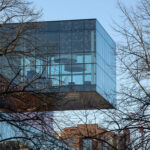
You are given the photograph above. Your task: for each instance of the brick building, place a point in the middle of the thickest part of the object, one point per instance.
(92, 137)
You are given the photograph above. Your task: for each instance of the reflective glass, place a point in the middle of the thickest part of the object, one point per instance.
(77, 41)
(52, 42)
(88, 78)
(87, 144)
(39, 69)
(89, 41)
(100, 146)
(65, 25)
(64, 58)
(90, 24)
(65, 42)
(53, 26)
(77, 58)
(89, 58)
(78, 79)
(77, 68)
(78, 52)
(65, 80)
(65, 69)
(55, 80)
(77, 25)
(54, 69)
(54, 59)
(105, 68)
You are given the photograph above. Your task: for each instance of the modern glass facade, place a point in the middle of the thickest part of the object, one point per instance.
(68, 56)
(105, 65)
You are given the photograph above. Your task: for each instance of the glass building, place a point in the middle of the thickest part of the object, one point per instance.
(76, 57)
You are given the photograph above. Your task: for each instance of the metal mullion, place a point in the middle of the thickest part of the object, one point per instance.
(84, 55)
(71, 55)
(60, 76)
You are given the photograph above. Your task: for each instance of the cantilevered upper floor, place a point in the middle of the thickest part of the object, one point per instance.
(73, 57)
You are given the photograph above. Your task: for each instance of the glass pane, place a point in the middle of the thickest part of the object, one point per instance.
(21, 74)
(52, 42)
(54, 69)
(79, 58)
(65, 25)
(39, 62)
(77, 25)
(14, 61)
(90, 58)
(89, 79)
(68, 140)
(29, 61)
(105, 147)
(64, 59)
(65, 80)
(73, 140)
(77, 41)
(100, 146)
(110, 139)
(65, 69)
(77, 68)
(89, 68)
(65, 42)
(53, 26)
(90, 24)
(78, 79)
(55, 80)
(39, 69)
(87, 144)
(26, 71)
(54, 59)
(89, 41)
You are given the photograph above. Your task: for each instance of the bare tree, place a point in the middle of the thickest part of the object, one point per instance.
(24, 115)
(133, 60)
(133, 95)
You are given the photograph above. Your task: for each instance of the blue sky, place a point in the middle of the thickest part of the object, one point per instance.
(104, 10)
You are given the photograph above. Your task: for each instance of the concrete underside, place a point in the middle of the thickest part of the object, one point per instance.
(81, 101)
(14, 100)
(32, 102)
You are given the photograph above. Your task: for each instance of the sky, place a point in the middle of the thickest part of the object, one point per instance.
(104, 10)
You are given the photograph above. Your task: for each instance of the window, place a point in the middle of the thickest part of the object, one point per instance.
(55, 80)
(105, 138)
(78, 79)
(79, 58)
(68, 140)
(100, 146)
(65, 42)
(54, 70)
(110, 147)
(73, 140)
(105, 147)
(90, 58)
(110, 139)
(77, 41)
(77, 25)
(65, 80)
(89, 41)
(87, 144)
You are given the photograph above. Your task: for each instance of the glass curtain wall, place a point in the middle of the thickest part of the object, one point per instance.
(63, 54)
(69, 53)
(105, 65)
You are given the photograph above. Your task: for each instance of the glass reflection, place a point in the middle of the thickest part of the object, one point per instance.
(74, 53)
